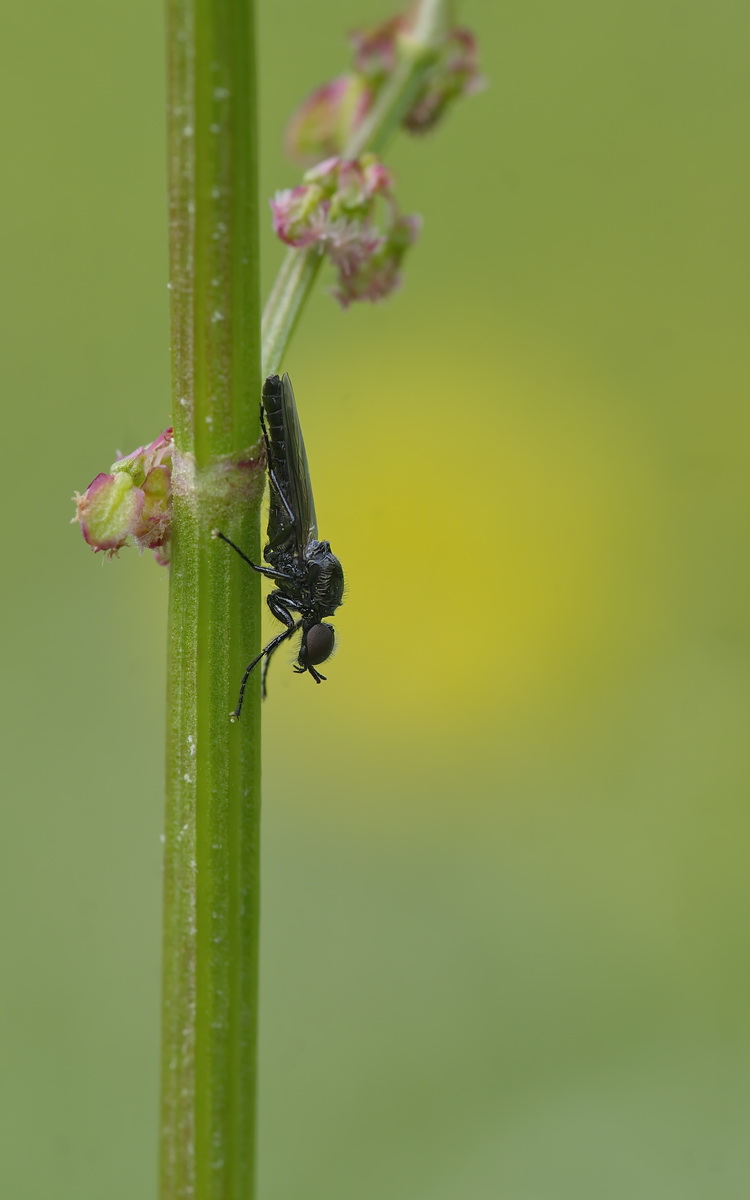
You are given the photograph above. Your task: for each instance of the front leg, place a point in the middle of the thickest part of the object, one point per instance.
(280, 606)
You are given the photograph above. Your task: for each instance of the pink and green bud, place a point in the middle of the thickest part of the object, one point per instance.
(297, 214)
(321, 126)
(324, 123)
(347, 209)
(455, 73)
(153, 529)
(108, 510)
(353, 184)
(133, 500)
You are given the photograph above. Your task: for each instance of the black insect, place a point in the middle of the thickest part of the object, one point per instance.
(308, 579)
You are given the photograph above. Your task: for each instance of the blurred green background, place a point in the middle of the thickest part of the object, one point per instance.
(505, 925)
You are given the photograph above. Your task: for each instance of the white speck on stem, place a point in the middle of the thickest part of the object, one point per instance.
(187, 131)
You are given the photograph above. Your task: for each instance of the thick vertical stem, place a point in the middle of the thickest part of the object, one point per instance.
(213, 767)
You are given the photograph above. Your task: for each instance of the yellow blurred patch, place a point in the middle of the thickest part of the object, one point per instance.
(499, 530)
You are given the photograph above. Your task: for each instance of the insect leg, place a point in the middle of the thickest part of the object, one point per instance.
(274, 481)
(270, 574)
(266, 664)
(269, 649)
(263, 426)
(279, 606)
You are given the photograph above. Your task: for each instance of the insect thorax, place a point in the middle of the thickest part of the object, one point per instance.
(325, 575)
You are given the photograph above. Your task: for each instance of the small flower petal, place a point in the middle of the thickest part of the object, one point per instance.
(140, 462)
(296, 214)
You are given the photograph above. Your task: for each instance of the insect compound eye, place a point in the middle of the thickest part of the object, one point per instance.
(319, 643)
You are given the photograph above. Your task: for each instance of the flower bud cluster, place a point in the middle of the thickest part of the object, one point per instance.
(347, 209)
(325, 121)
(133, 500)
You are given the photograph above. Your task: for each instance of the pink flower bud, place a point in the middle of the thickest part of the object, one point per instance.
(321, 125)
(133, 500)
(108, 510)
(456, 73)
(153, 526)
(297, 214)
(145, 458)
(358, 183)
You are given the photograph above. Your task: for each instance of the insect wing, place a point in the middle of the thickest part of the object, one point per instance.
(288, 461)
(299, 471)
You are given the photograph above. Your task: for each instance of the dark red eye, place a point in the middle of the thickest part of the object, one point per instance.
(319, 643)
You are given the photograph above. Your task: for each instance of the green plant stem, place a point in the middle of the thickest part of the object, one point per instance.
(300, 268)
(292, 286)
(213, 767)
